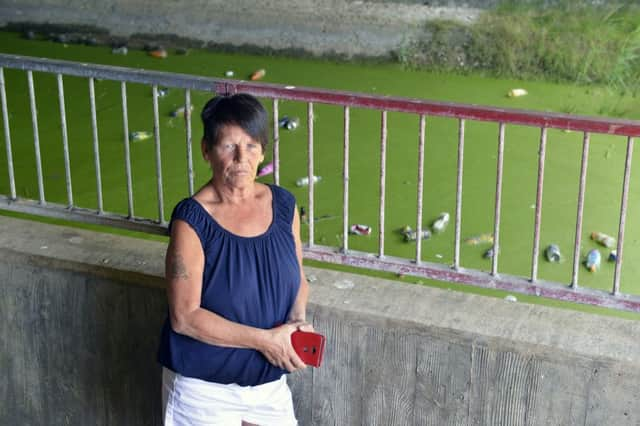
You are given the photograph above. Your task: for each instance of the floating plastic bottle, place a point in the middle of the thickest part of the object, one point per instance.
(489, 253)
(304, 181)
(289, 123)
(179, 112)
(604, 239)
(159, 53)
(514, 93)
(141, 135)
(258, 74)
(412, 235)
(229, 73)
(613, 256)
(593, 260)
(122, 50)
(440, 224)
(266, 170)
(479, 239)
(359, 229)
(552, 253)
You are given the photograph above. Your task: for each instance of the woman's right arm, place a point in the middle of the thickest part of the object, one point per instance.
(184, 265)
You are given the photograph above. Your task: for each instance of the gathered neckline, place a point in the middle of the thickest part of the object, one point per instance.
(254, 237)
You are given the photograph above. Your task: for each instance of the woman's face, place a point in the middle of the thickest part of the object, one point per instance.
(235, 158)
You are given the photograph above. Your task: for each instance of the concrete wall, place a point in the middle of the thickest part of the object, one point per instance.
(80, 314)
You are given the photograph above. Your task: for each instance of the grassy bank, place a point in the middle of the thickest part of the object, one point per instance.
(568, 42)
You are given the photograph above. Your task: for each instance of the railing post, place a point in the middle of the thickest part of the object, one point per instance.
(538, 215)
(156, 138)
(345, 182)
(276, 143)
(456, 251)
(7, 136)
(310, 172)
(420, 188)
(383, 172)
(623, 216)
(127, 148)
(496, 226)
(96, 144)
(581, 190)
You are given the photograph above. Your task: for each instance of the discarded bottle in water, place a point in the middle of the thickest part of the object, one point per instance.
(360, 229)
(593, 260)
(412, 235)
(179, 112)
(489, 253)
(266, 170)
(304, 181)
(289, 123)
(140, 135)
(514, 93)
(613, 256)
(604, 239)
(440, 223)
(121, 50)
(552, 253)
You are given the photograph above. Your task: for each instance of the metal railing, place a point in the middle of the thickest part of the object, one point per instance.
(344, 255)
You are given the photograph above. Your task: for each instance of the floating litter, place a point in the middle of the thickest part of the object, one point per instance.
(515, 93)
(593, 260)
(552, 253)
(359, 229)
(258, 74)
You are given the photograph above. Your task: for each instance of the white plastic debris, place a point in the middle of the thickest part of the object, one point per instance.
(514, 93)
(510, 298)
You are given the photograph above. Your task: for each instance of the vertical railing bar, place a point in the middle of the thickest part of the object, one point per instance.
(65, 140)
(383, 172)
(623, 217)
(7, 135)
(96, 147)
(310, 171)
(496, 226)
(538, 215)
(581, 191)
(156, 138)
(420, 188)
(187, 124)
(456, 252)
(127, 148)
(36, 136)
(276, 143)
(345, 182)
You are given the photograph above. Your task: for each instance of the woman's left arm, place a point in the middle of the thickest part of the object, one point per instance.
(299, 309)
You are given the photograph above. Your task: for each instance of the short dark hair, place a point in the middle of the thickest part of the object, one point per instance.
(242, 110)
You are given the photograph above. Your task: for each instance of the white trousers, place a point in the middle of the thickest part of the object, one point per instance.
(188, 401)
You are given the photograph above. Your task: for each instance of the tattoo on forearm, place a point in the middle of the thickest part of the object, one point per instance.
(177, 268)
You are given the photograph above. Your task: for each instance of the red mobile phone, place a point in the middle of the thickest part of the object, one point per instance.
(309, 346)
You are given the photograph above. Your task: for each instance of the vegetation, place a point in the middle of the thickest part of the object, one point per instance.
(567, 42)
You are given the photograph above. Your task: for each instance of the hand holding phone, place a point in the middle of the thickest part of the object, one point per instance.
(309, 346)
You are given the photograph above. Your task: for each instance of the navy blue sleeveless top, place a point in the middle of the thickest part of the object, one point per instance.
(249, 280)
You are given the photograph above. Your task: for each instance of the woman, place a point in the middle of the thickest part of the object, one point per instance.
(236, 287)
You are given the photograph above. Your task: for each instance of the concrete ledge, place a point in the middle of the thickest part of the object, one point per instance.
(397, 354)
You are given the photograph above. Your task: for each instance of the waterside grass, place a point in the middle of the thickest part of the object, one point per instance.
(567, 42)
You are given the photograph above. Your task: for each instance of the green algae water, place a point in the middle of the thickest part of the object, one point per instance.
(562, 168)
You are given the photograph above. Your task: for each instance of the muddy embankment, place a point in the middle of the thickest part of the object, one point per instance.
(347, 28)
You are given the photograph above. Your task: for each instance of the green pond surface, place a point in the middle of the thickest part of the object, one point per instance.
(562, 166)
